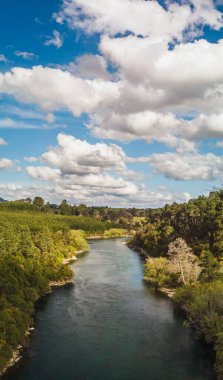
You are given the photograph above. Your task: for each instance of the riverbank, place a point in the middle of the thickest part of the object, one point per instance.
(142, 252)
(103, 237)
(182, 297)
(17, 354)
(169, 292)
(107, 306)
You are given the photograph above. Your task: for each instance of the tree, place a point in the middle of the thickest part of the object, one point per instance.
(183, 262)
(26, 246)
(38, 202)
(210, 267)
(157, 272)
(64, 207)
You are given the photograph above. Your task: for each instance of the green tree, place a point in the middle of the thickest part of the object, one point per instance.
(210, 267)
(64, 207)
(157, 272)
(38, 202)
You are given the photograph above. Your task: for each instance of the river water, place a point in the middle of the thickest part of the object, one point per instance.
(111, 326)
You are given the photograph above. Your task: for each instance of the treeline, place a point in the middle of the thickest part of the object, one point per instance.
(37, 220)
(199, 222)
(30, 260)
(124, 218)
(184, 245)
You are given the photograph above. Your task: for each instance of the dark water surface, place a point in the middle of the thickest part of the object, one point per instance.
(111, 326)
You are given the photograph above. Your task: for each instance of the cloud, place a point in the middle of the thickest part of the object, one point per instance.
(219, 144)
(204, 126)
(3, 142)
(101, 189)
(144, 18)
(6, 164)
(74, 156)
(77, 166)
(54, 89)
(8, 123)
(31, 159)
(10, 187)
(94, 174)
(92, 197)
(20, 112)
(24, 113)
(151, 80)
(43, 172)
(38, 21)
(157, 88)
(55, 40)
(3, 58)
(89, 66)
(187, 167)
(148, 125)
(26, 55)
(182, 78)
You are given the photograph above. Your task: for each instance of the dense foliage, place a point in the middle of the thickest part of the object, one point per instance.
(37, 221)
(185, 246)
(119, 217)
(199, 222)
(203, 303)
(33, 254)
(115, 232)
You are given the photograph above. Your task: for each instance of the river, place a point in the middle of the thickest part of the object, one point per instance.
(111, 326)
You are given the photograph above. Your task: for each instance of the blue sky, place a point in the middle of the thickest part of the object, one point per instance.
(97, 108)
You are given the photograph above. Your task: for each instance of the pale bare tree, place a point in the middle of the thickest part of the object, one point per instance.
(183, 262)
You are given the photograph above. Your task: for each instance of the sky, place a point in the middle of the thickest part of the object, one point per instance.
(111, 102)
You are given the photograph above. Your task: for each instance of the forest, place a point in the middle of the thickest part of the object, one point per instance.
(122, 217)
(34, 248)
(183, 244)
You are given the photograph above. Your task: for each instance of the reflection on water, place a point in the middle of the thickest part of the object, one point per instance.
(111, 326)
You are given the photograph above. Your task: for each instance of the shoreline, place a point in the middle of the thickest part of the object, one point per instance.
(169, 293)
(17, 354)
(102, 237)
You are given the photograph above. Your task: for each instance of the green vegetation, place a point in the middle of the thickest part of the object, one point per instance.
(157, 272)
(115, 232)
(118, 217)
(184, 243)
(203, 303)
(37, 220)
(36, 243)
(33, 249)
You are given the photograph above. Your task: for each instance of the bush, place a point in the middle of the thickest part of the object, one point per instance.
(115, 232)
(157, 272)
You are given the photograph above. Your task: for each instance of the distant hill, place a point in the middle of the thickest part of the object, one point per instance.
(2, 200)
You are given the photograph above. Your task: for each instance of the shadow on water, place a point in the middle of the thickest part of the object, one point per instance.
(111, 326)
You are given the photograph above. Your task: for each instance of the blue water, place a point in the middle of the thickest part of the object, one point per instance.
(111, 326)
